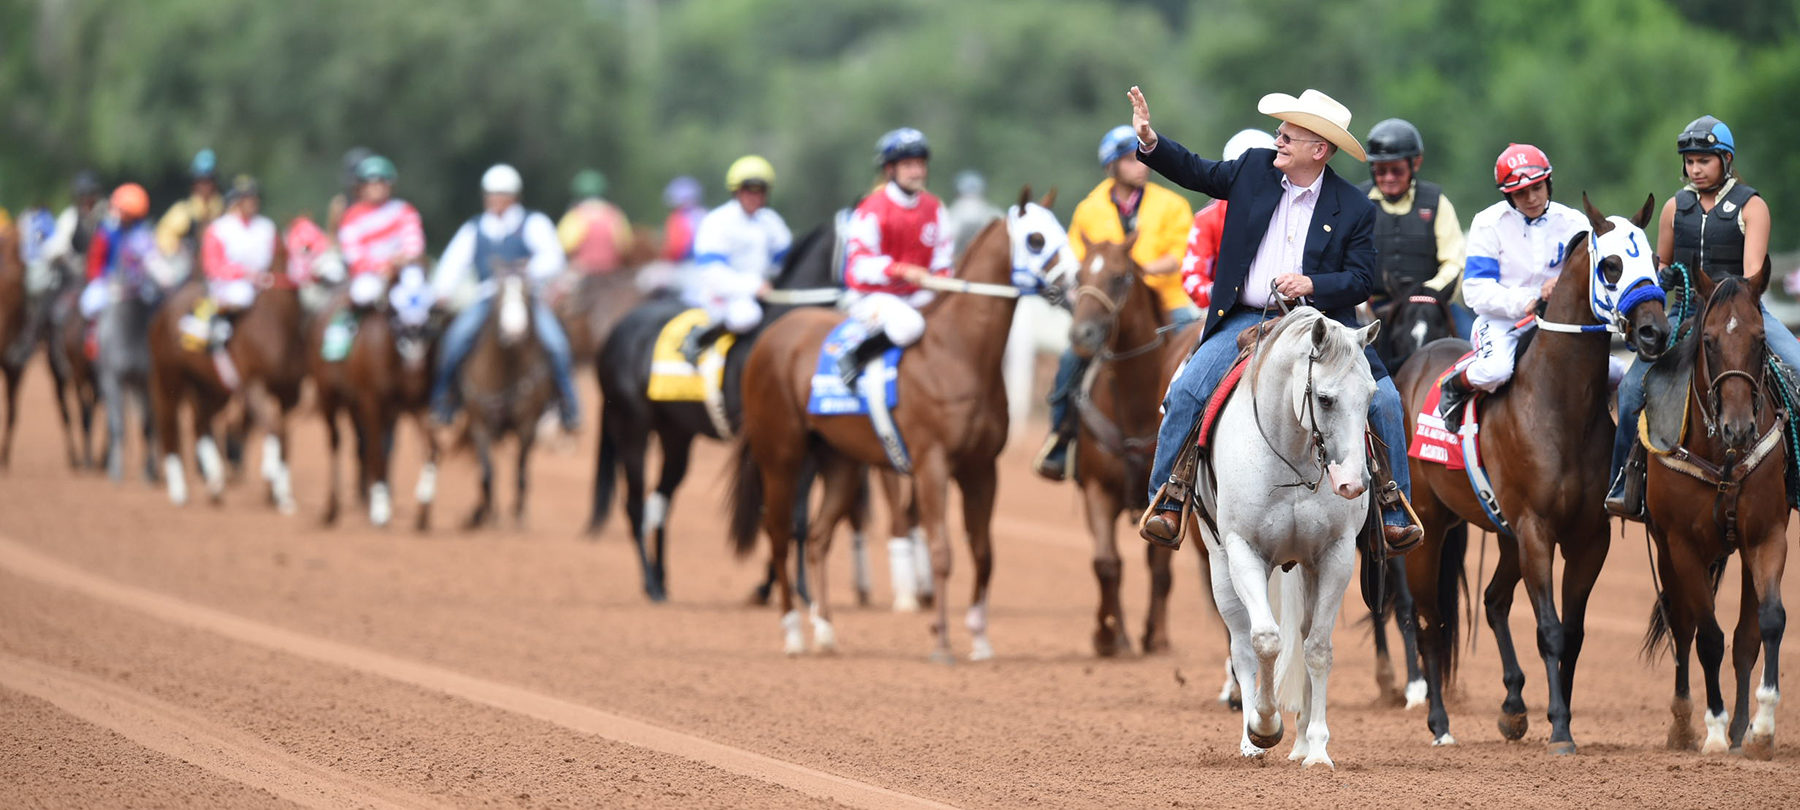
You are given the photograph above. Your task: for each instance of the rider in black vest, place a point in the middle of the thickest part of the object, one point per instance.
(1417, 235)
(1716, 223)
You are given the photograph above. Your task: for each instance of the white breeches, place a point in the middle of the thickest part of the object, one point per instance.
(729, 297)
(885, 312)
(234, 294)
(94, 298)
(410, 296)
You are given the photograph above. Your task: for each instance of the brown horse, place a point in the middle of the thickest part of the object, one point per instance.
(262, 354)
(1720, 491)
(588, 307)
(1118, 329)
(951, 413)
(1548, 473)
(12, 325)
(385, 374)
(74, 378)
(506, 383)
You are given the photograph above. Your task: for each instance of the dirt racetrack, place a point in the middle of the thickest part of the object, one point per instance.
(232, 657)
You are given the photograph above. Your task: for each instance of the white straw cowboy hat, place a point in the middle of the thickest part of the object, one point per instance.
(1318, 112)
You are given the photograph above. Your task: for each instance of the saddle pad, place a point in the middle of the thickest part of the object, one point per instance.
(1666, 384)
(1433, 440)
(672, 379)
(1216, 403)
(829, 395)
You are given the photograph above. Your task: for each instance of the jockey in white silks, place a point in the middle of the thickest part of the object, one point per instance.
(1515, 253)
(739, 247)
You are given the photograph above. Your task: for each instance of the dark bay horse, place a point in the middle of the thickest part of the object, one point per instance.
(1548, 472)
(385, 375)
(261, 357)
(951, 414)
(1118, 328)
(506, 384)
(74, 377)
(1720, 491)
(629, 418)
(13, 323)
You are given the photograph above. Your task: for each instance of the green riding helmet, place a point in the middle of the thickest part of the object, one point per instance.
(376, 167)
(588, 184)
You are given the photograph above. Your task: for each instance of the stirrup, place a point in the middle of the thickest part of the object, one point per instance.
(1057, 469)
(1155, 509)
(1629, 505)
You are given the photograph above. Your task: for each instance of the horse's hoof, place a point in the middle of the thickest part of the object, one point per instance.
(1319, 759)
(1154, 643)
(927, 601)
(656, 595)
(1562, 748)
(906, 603)
(942, 655)
(1269, 740)
(1443, 739)
(862, 597)
(1108, 644)
(1512, 726)
(982, 651)
(1250, 751)
(1759, 747)
(759, 597)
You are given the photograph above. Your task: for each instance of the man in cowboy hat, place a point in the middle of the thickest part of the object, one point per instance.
(1293, 229)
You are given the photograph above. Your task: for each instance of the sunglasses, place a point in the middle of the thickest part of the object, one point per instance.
(1283, 139)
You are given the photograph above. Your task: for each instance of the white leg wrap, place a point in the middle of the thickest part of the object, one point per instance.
(1416, 694)
(176, 475)
(381, 504)
(1718, 739)
(1763, 724)
(922, 562)
(426, 491)
(976, 620)
(824, 637)
(271, 457)
(656, 512)
(900, 569)
(859, 561)
(792, 642)
(1444, 740)
(212, 466)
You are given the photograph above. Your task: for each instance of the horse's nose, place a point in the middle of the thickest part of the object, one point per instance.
(1650, 340)
(1739, 434)
(1347, 483)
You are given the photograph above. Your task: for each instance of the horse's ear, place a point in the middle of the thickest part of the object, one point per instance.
(1024, 198)
(1595, 218)
(1444, 295)
(1318, 333)
(1049, 198)
(1704, 284)
(1643, 215)
(1759, 283)
(1368, 333)
(1131, 241)
(1087, 245)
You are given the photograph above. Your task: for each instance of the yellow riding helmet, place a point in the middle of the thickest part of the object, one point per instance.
(749, 169)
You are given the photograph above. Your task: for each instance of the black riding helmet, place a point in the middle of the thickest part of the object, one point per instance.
(1394, 139)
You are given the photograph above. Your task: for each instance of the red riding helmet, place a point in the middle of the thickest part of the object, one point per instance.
(1521, 166)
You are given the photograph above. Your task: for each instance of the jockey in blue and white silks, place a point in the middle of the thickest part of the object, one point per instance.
(504, 234)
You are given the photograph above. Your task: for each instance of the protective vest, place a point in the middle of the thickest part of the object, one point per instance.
(1712, 239)
(492, 254)
(1406, 244)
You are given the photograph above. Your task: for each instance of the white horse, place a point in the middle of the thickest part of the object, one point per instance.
(1293, 492)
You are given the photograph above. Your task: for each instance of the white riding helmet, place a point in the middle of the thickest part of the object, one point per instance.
(502, 179)
(1247, 140)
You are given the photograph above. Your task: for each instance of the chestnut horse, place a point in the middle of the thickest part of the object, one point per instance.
(1549, 474)
(951, 413)
(1722, 491)
(386, 374)
(263, 354)
(12, 326)
(1119, 328)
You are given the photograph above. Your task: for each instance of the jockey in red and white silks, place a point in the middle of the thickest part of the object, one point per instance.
(238, 249)
(382, 235)
(890, 231)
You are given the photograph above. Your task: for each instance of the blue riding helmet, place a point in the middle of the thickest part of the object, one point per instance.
(682, 192)
(901, 144)
(205, 165)
(1706, 134)
(1119, 141)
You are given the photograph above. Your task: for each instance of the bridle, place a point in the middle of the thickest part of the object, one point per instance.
(1310, 419)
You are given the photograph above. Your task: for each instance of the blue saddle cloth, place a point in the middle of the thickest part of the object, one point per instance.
(829, 395)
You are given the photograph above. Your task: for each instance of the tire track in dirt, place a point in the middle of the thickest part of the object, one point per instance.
(26, 562)
(184, 735)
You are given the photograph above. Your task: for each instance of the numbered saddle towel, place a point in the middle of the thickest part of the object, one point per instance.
(1433, 440)
(829, 395)
(672, 378)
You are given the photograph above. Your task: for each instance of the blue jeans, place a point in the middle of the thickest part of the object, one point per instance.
(1064, 385)
(1209, 364)
(459, 340)
(1781, 343)
(1462, 320)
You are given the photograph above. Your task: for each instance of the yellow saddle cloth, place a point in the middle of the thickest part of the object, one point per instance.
(672, 379)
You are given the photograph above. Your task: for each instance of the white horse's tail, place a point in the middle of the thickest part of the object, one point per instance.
(1290, 664)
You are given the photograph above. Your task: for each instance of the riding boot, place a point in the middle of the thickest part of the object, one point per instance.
(1053, 460)
(697, 341)
(851, 364)
(1626, 500)
(1400, 530)
(1456, 392)
(1165, 520)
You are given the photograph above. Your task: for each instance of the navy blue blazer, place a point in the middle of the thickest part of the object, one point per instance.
(1340, 242)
